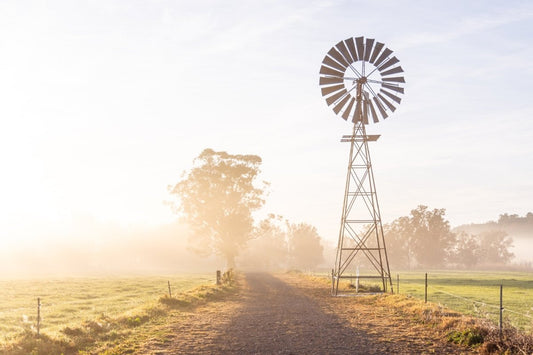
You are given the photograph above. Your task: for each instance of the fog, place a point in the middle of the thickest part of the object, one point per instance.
(87, 247)
(95, 249)
(522, 249)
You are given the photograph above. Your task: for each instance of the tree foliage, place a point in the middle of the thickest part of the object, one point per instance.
(432, 239)
(279, 244)
(494, 247)
(217, 198)
(424, 239)
(268, 249)
(399, 241)
(306, 251)
(467, 250)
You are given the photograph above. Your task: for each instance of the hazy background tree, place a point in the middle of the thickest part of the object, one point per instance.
(467, 250)
(217, 198)
(305, 248)
(398, 240)
(424, 239)
(433, 240)
(494, 247)
(268, 249)
(519, 230)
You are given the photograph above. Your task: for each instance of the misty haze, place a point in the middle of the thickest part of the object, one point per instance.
(266, 177)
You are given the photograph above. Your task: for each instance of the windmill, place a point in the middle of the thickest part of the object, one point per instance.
(361, 80)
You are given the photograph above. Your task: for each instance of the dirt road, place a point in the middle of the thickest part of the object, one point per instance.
(291, 315)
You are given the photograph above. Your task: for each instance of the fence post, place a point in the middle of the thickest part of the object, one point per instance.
(332, 281)
(169, 290)
(38, 316)
(398, 284)
(426, 290)
(218, 277)
(501, 311)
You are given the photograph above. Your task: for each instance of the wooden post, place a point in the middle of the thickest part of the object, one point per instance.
(332, 281)
(169, 290)
(398, 284)
(38, 315)
(501, 311)
(357, 280)
(426, 290)
(219, 281)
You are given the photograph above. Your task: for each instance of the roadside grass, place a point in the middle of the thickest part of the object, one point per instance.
(126, 328)
(454, 324)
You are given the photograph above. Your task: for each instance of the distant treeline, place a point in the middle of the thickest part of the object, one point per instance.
(512, 224)
(424, 239)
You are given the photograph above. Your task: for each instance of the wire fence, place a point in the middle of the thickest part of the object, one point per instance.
(507, 301)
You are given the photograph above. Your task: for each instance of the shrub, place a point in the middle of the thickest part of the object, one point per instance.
(469, 337)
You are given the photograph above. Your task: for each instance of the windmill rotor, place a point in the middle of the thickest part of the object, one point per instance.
(360, 78)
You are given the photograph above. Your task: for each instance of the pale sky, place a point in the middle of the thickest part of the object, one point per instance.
(105, 103)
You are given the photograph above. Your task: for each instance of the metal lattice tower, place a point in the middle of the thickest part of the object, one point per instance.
(356, 79)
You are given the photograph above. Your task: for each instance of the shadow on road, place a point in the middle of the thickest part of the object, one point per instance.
(279, 319)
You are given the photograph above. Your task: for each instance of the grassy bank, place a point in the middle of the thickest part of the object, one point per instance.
(455, 324)
(126, 328)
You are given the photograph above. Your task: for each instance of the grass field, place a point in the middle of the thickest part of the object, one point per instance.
(476, 293)
(69, 301)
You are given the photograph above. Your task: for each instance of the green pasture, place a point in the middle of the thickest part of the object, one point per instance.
(69, 301)
(475, 293)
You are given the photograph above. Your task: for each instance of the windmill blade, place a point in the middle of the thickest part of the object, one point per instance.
(368, 48)
(393, 88)
(344, 51)
(373, 111)
(382, 57)
(390, 62)
(330, 62)
(357, 114)
(360, 47)
(380, 108)
(348, 109)
(365, 113)
(337, 108)
(351, 48)
(375, 52)
(389, 105)
(333, 53)
(331, 89)
(396, 79)
(329, 71)
(335, 97)
(392, 71)
(324, 80)
(394, 97)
